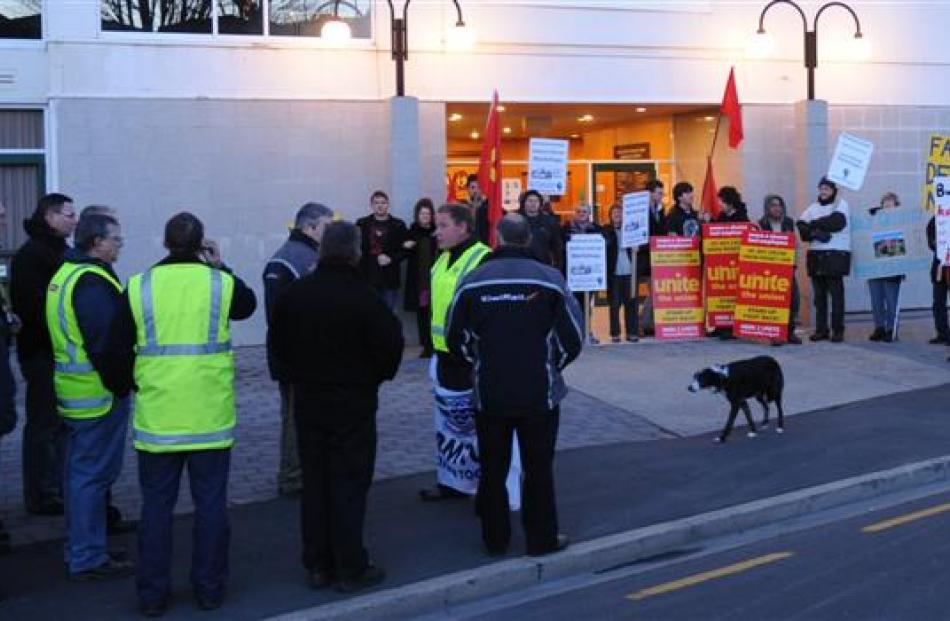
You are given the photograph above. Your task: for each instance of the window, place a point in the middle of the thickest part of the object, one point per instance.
(21, 19)
(282, 18)
(305, 18)
(188, 16)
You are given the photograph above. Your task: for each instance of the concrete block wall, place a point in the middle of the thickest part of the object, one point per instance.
(244, 167)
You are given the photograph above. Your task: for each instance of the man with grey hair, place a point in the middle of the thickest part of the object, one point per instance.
(514, 319)
(338, 341)
(83, 298)
(295, 259)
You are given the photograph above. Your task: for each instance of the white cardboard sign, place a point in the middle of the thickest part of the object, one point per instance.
(850, 161)
(587, 263)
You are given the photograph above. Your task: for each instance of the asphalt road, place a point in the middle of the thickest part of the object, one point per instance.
(896, 569)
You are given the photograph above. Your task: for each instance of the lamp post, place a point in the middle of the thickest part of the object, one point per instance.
(400, 40)
(811, 36)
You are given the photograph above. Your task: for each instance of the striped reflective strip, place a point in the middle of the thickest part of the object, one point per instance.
(183, 439)
(71, 351)
(184, 350)
(148, 313)
(215, 306)
(74, 367)
(82, 404)
(438, 330)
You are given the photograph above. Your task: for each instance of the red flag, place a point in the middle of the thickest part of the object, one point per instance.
(732, 110)
(451, 196)
(489, 168)
(710, 204)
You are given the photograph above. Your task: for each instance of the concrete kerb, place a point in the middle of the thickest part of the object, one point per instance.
(435, 594)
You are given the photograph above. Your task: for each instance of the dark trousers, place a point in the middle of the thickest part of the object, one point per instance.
(44, 436)
(424, 325)
(580, 297)
(159, 477)
(940, 309)
(620, 295)
(823, 287)
(796, 302)
(288, 472)
(537, 435)
(336, 433)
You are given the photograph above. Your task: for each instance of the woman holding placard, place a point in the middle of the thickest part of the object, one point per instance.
(885, 291)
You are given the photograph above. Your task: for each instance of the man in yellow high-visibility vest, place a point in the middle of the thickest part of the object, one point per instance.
(177, 319)
(83, 298)
(457, 452)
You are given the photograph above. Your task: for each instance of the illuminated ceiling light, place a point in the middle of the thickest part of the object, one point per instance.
(860, 47)
(587, 118)
(475, 135)
(501, 108)
(335, 32)
(709, 119)
(575, 135)
(641, 109)
(761, 45)
(455, 117)
(460, 38)
(506, 130)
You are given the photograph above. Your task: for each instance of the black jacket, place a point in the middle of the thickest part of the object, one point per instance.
(679, 222)
(788, 225)
(419, 261)
(394, 234)
(738, 215)
(517, 323)
(657, 229)
(482, 226)
(121, 346)
(932, 244)
(332, 329)
(33, 266)
(546, 243)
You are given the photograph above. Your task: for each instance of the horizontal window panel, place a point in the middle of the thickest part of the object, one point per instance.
(184, 16)
(21, 129)
(21, 19)
(305, 18)
(240, 17)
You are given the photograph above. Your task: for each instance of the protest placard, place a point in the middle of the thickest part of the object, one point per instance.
(764, 296)
(677, 288)
(721, 243)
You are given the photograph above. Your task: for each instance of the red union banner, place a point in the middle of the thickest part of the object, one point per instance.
(721, 243)
(677, 288)
(765, 285)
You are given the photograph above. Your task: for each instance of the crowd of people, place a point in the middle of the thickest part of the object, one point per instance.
(96, 354)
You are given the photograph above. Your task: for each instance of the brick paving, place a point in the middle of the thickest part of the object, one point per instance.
(405, 440)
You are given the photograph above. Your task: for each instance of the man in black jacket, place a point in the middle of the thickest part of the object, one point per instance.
(479, 204)
(338, 342)
(44, 434)
(382, 251)
(938, 277)
(516, 321)
(546, 243)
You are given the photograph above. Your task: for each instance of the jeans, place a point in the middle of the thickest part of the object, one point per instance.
(44, 436)
(940, 309)
(94, 451)
(620, 295)
(288, 473)
(884, 293)
(825, 286)
(159, 477)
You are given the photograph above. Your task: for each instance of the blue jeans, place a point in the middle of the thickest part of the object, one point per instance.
(94, 450)
(884, 293)
(159, 477)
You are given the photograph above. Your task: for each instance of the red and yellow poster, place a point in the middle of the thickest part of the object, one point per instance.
(677, 284)
(721, 243)
(764, 297)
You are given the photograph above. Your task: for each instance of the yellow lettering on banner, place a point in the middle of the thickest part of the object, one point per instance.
(938, 165)
(723, 273)
(720, 304)
(756, 254)
(675, 258)
(765, 282)
(764, 314)
(724, 245)
(679, 315)
(677, 284)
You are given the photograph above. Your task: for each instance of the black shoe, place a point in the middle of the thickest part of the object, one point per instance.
(50, 506)
(496, 552)
(632, 339)
(938, 340)
(156, 609)
(371, 576)
(837, 337)
(818, 336)
(206, 602)
(877, 335)
(440, 492)
(118, 553)
(112, 568)
(615, 339)
(320, 578)
(426, 353)
(793, 339)
(560, 542)
(888, 336)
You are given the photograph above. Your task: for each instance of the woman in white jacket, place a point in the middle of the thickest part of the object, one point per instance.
(825, 225)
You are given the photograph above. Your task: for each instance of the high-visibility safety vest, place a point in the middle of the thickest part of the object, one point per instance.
(79, 389)
(444, 281)
(184, 367)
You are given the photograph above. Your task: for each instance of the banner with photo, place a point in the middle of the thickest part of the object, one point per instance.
(677, 288)
(889, 242)
(721, 243)
(764, 297)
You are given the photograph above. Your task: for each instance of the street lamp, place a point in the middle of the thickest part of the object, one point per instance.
(400, 40)
(811, 36)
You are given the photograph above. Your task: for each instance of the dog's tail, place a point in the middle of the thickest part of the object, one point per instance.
(778, 382)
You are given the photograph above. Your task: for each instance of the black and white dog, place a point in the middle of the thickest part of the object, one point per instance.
(760, 377)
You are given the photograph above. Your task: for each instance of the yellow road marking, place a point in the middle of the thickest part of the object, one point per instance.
(709, 575)
(904, 519)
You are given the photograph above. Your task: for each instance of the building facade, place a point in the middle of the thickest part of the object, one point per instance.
(238, 111)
